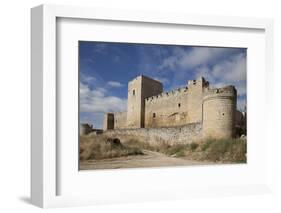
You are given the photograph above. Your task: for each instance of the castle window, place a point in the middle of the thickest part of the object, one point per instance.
(179, 104)
(222, 114)
(154, 115)
(134, 92)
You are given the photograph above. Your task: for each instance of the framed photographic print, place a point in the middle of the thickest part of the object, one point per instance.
(138, 124)
(149, 106)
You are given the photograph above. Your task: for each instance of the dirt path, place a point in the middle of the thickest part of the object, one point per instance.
(149, 159)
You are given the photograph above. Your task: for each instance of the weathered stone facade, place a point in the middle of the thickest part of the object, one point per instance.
(139, 89)
(219, 110)
(85, 128)
(177, 107)
(154, 136)
(108, 121)
(120, 120)
(149, 107)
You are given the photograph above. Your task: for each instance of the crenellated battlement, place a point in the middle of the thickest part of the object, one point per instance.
(174, 92)
(191, 84)
(228, 91)
(199, 81)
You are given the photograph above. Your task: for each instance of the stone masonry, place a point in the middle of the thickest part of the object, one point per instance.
(148, 107)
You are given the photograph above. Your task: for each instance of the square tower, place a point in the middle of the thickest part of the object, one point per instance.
(108, 121)
(138, 89)
(196, 90)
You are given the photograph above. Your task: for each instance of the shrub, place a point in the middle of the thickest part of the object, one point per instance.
(193, 146)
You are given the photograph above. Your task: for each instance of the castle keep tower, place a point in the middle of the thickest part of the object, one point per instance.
(219, 108)
(139, 89)
(196, 90)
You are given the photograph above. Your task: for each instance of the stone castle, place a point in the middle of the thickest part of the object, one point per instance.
(213, 110)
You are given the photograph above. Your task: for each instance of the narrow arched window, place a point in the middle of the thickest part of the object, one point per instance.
(154, 115)
(134, 92)
(179, 104)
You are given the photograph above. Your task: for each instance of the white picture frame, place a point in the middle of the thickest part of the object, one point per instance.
(45, 168)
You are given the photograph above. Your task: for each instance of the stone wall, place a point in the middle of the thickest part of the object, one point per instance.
(85, 128)
(120, 120)
(167, 109)
(177, 107)
(108, 121)
(171, 135)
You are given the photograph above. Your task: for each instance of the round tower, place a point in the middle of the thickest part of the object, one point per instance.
(219, 107)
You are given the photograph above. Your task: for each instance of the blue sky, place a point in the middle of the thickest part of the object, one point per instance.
(106, 68)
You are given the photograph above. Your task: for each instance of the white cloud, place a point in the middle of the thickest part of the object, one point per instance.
(206, 72)
(89, 60)
(161, 79)
(94, 118)
(241, 89)
(100, 48)
(197, 56)
(241, 104)
(87, 78)
(97, 101)
(114, 84)
(227, 72)
(231, 70)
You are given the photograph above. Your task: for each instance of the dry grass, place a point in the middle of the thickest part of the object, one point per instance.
(215, 150)
(170, 150)
(225, 150)
(95, 147)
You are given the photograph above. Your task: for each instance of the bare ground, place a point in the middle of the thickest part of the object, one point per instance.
(149, 159)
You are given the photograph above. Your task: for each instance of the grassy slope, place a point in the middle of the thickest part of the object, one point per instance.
(215, 150)
(223, 150)
(94, 147)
